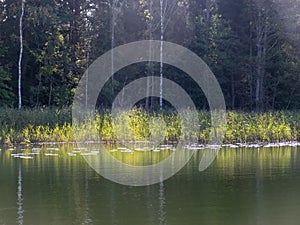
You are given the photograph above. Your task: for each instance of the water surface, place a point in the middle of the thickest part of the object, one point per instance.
(242, 186)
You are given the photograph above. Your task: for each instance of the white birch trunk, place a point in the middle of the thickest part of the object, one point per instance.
(161, 53)
(113, 9)
(87, 75)
(20, 56)
(149, 83)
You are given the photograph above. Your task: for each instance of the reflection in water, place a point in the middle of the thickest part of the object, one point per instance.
(87, 217)
(113, 204)
(259, 189)
(149, 205)
(162, 204)
(20, 197)
(243, 186)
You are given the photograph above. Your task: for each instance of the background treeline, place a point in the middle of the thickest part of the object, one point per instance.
(252, 46)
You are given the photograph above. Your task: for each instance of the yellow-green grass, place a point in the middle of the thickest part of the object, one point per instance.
(55, 125)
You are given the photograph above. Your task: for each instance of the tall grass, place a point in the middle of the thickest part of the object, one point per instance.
(262, 127)
(35, 125)
(54, 125)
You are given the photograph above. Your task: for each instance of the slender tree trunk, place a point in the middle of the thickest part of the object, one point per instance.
(275, 92)
(262, 47)
(251, 73)
(38, 91)
(50, 91)
(75, 28)
(259, 59)
(87, 75)
(232, 91)
(257, 95)
(264, 58)
(161, 54)
(207, 16)
(149, 83)
(291, 94)
(20, 56)
(123, 92)
(113, 8)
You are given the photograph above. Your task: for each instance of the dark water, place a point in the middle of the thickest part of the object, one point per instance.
(242, 186)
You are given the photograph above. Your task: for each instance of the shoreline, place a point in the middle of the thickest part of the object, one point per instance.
(194, 146)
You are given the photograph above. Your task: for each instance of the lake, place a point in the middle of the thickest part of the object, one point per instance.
(242, 186)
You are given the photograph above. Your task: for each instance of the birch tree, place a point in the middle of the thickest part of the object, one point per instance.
(21, 55)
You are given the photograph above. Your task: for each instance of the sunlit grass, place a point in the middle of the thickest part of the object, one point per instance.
(54, 125)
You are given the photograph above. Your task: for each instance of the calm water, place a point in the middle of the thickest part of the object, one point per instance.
(242, 186)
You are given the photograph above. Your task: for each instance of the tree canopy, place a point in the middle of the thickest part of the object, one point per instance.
(252, 46)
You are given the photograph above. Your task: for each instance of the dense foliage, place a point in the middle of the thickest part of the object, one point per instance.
(252, 46)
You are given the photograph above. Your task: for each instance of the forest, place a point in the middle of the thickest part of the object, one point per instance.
(252, 47)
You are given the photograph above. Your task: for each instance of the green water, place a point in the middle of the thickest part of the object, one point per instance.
(242, 186)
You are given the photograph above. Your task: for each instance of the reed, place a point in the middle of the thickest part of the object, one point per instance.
(54, 125)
